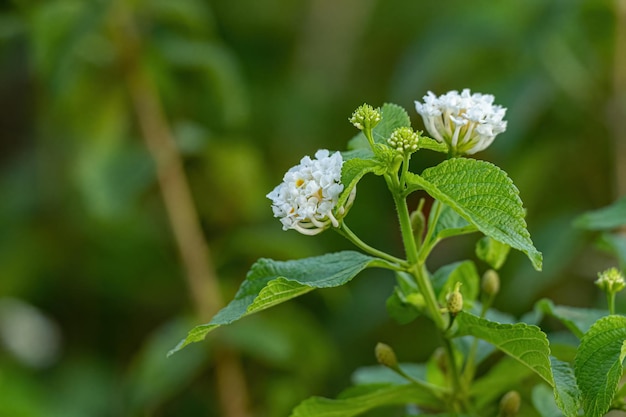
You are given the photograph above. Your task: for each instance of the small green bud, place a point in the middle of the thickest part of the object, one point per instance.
(365, 117)
(418, 222)
(386, 356)
(404, 140)
(611, 281)
(454, 300)
(490, 283)
(509, 404)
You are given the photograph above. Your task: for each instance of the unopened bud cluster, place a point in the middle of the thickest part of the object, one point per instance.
(365, 117)
(404, 140)
(611, 281)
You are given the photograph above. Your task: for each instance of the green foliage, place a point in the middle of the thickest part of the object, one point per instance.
(401, 305)
(365, 397)
(492, 252)
(492, 204)
(606, 218)
(504, 376)
(566, 391)
(544, 402)
(84, 227)
(272, 282)
(527, 344)
(598, 365)
(393, 116)
(371, 375)
(448, 224)
(577, 320)
(445, 279)
(353, 171)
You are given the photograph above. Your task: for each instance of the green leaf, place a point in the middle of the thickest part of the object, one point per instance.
(606, 218)
(578, 320)
(365, 398)
(544, 402)
(432, 144)
(398, 304)
(566, 391)
(492, 252)
(272, 282)
(507, 374)
(393, 117)
(483, 195)
(523, 342)
(379, 374)
(598, 364)
(464, 272)
(615, 244)
(449, 223)
(353, 170)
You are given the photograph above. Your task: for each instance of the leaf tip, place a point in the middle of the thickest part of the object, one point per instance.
(196, 334)
(537, 260)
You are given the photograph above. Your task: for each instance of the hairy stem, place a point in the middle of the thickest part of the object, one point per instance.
(410, 246)
(610, 298)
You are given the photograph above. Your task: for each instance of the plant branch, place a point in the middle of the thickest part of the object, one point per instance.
(417, 267)
(345, 231)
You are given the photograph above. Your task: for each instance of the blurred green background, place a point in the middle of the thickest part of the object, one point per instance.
(94, 214)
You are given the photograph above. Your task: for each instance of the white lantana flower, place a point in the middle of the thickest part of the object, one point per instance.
(305, 200)
(467, 123)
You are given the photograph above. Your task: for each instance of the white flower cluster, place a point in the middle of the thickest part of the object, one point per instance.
(467, 122)
(305, 200)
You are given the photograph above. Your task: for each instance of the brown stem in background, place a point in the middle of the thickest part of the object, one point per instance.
(619, 99)
(201, 277)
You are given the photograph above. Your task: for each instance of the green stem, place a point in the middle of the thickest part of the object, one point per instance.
(610, 298)
(434, 389)
(405, 169)
(428, 244)
(410, 246)
(368, 135)
(345, 231)
(425, 287)
(456, 380)
(417, 258)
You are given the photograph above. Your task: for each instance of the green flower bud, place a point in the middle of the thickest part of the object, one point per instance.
(386, 356)
(365, 117)
(418, 222)
(611, 281)
(490, 283)
(509, 404)
(454, 300)
(404, 140)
